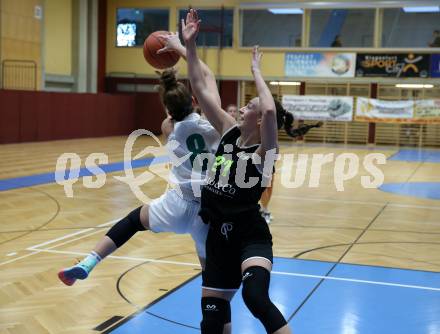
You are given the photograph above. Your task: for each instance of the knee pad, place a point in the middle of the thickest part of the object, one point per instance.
(124, 229)
(255, 294)
(216, 313)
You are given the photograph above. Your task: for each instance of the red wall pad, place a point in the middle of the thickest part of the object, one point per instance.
(39, 116)
(228, 92)
(149, 112)
(9, 117)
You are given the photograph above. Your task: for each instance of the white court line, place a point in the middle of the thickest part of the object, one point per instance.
(130, 258)
(49, 250)
(358, 281)
(328, 200)
(70, 235)
(35, 249)
(19, 258)
(64, 243)
(60, 238)
(273, 272)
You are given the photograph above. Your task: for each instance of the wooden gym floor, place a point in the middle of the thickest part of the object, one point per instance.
(42, 231)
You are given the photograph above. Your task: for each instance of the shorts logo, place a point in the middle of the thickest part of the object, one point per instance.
(211, 308)
(248, 274)
(226, 228)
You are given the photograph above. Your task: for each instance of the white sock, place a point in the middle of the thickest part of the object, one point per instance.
(90, 261)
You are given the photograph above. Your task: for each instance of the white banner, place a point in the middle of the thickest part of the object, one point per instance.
(325, 108)
(427, 111)
(373, 110)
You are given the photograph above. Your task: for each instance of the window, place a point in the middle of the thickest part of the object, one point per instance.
(134, 25)
(402, 29)
(342, 28)
(267, 29)
(216, 26)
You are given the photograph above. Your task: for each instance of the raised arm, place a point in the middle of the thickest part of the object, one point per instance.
(268, 129)
(172, 44)
(206, 97)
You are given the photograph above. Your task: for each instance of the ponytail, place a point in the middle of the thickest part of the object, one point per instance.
(174, 95)
(283, 117)
(286, 118)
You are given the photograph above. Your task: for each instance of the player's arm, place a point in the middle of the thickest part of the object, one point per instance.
(172, 44)
(268, 128)
(302, 130)
(207, 99)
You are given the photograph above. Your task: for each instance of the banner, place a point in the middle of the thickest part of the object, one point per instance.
(392, 65)
(427, 111)
(373, 110)
(325, 108)
(435, 66)
(323, 65)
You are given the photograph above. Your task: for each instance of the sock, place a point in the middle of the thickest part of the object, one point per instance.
(81, 270)
(90, 261)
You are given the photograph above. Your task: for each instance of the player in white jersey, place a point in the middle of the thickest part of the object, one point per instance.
(193, 135)
(177, 209)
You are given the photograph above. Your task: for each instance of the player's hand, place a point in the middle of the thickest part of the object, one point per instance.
(190, 28)
(171, 42)
(256, 59)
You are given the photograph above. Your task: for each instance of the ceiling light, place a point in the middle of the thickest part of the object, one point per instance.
(285, 10)
(414, 86)
(285, 83)
(427, 9)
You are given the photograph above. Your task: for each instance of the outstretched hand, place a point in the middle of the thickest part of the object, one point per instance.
(190, 28)
(171, 42)
(256, 58)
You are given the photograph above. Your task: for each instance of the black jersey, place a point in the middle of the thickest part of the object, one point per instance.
(234, 183)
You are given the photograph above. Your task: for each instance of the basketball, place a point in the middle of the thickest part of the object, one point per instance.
(160, 61)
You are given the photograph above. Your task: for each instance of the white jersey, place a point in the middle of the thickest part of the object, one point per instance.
(194, 135)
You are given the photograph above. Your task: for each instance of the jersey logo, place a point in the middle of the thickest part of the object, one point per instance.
(222, 162)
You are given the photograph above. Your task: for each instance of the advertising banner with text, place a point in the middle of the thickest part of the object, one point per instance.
(392, 65)
(320, 65)
(324, 108)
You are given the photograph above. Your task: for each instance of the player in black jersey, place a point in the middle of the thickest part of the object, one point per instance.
(239, 244)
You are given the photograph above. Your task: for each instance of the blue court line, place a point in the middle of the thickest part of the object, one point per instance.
(419, 155)
(363, 265)
(44, 178)
(429, 190)
(337, 306)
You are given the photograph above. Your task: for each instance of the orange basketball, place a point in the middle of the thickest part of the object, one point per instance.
(160, 61)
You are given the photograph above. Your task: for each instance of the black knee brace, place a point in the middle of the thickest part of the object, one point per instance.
(124, 229)
(256, 297)
(216, 313)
